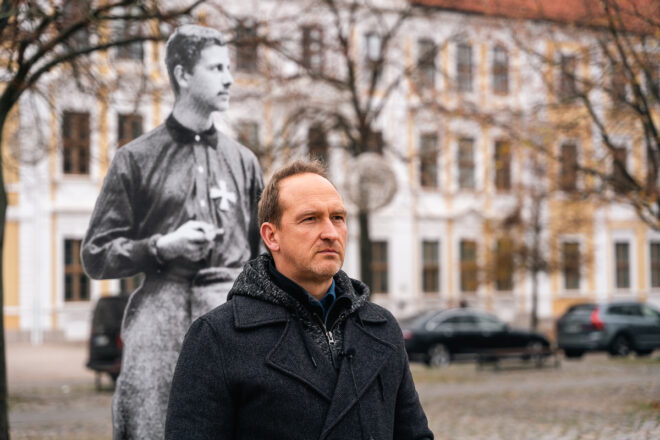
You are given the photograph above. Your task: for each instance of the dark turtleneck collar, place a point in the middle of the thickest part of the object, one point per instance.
(296, 291)
(184, 135)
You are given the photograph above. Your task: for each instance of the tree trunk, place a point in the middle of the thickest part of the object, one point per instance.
(535, 299)
(365, 249)
(4, 419)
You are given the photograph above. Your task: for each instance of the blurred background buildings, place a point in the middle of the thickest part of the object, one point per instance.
(518, 140)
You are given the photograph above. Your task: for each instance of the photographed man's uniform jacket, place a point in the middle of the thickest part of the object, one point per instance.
(155, 184)
(265, 366)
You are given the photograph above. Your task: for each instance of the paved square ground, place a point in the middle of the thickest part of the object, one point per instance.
(53, 396)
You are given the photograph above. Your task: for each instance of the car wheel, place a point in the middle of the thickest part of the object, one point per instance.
(620, 346)
(643, 352)
(573, 354)
(439, 356)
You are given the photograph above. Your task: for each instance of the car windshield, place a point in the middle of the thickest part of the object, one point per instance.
(488, 321)
(650, 312)
(418, 319)
(581, 309)
(625, 309)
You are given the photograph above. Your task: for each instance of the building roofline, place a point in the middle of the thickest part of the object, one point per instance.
(636, 16)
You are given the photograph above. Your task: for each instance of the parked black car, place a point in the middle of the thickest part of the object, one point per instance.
(616, 327)
(105, 344)
(439, 336)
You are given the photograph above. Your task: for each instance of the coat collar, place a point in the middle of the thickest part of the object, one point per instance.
(369, 313)
(256, 281)
(251, 312)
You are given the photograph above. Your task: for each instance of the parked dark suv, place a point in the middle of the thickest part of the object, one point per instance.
(616, 327)
(105, 345)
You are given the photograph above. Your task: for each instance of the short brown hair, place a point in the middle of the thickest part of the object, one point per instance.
(269, 205)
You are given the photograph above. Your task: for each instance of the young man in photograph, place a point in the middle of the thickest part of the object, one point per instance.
(178, 204)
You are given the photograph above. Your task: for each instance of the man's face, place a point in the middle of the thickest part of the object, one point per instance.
(312, 232)
(209, 82)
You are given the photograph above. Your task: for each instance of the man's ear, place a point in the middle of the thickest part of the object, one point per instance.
(270, 236)
(181, 76)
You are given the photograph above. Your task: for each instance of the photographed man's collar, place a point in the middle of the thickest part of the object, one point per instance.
(184, 135)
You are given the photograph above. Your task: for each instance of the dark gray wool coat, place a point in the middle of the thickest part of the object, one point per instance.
(255, 369)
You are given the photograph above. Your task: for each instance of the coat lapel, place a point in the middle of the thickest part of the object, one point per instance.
(290, 357)
(370, 355)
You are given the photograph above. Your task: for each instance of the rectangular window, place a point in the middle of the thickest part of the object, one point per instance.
(504, 262)
(426, 51)
(129, 127)
(430, 266)
(500, 71)
(571, 265)
(502, 165)
(652, 162)
(428, 160)
(376, 143)
(248, 135)
(132, 51)
(72, 12)
(568, 170)
(655, 264)
(312, 48)
(76, 283)
(618, 83)
(75, 143)
(469, 270)
(464, 67)
(379, 266)
(372, 43)
(247, 47)
(567, 81)
(652, 77)
(466, 163)
(619, 180)
(622, 261)
(317, 143)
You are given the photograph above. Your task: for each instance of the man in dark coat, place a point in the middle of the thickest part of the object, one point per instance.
(179, 204)
(297, 352)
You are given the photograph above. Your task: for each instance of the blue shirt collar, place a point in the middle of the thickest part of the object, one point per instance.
(328, 299)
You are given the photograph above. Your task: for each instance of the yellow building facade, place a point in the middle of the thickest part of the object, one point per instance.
(460, 171)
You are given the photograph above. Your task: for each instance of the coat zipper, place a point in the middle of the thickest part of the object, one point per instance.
(328, 333)
(330, 337)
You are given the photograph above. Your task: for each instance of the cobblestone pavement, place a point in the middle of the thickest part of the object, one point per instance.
(53, 397)
(596, 398)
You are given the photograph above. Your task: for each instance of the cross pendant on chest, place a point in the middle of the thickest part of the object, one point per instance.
(226, 197)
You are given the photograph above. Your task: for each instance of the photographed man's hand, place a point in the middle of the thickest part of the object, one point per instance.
(192, 240)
